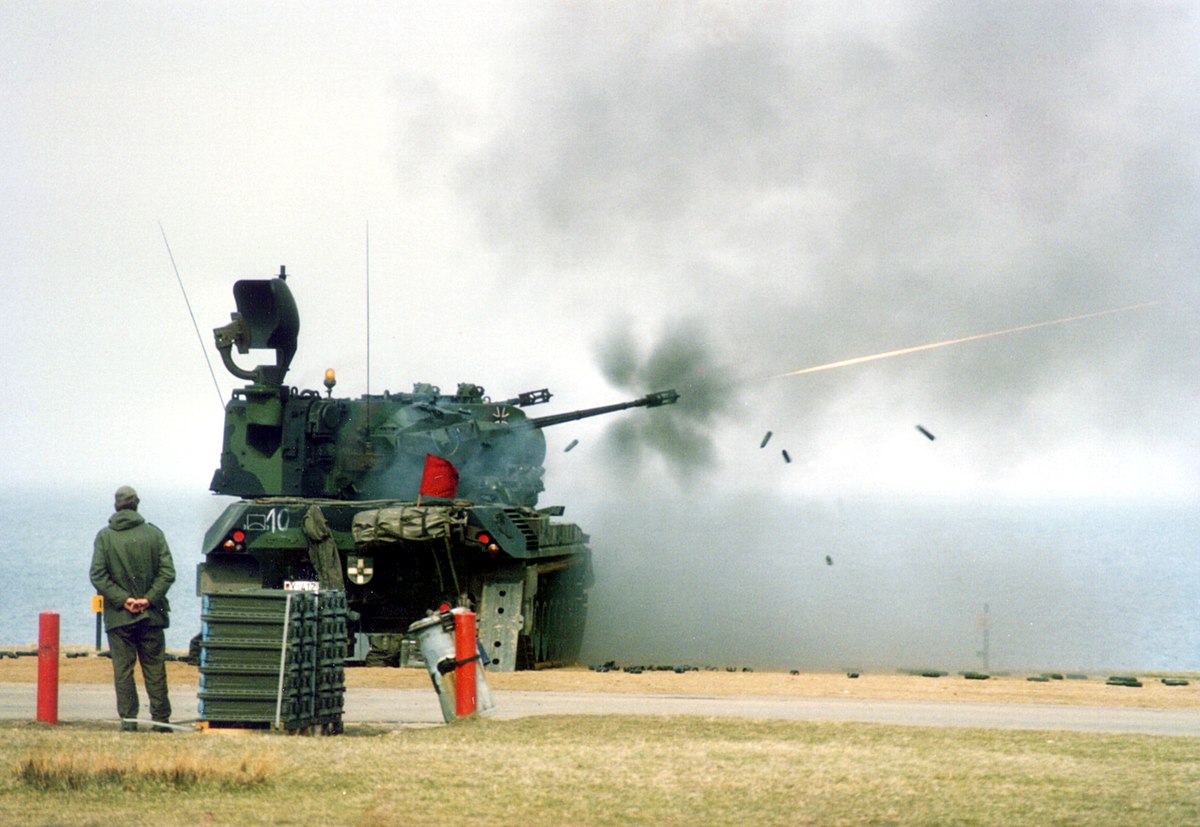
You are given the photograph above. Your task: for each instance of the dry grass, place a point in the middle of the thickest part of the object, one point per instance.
(181, 769)
(613, 770)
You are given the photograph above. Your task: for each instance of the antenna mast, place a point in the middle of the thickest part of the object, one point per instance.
(199, 338)
(368, 311)
(368, 291)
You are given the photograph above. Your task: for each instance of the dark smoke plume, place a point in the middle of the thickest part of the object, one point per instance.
(817, 191)
(683, 359)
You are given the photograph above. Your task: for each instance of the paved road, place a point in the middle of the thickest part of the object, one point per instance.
(400, 707)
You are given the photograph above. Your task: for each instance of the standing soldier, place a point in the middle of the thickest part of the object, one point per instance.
(132, 569)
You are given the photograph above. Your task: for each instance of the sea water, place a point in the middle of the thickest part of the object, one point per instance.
(46, 553)
(769, 582)
(848, 584)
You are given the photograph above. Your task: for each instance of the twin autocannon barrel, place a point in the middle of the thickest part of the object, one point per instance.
(652, 400)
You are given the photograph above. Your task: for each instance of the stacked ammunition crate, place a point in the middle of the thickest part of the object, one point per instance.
(332, 639)
(270, 657)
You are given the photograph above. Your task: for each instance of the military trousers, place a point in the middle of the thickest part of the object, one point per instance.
(129, 645)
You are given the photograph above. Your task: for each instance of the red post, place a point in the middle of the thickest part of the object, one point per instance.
(47, 692)
(465, 653)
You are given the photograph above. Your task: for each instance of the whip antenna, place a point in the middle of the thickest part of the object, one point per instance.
(199, 338)
(368, 312)
(368, 292)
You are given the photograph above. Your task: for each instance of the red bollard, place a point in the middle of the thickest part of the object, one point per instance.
(47, 691)
(465, 652)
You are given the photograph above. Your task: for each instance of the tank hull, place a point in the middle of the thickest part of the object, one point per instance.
(525, 574)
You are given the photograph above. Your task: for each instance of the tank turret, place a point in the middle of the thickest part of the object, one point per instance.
(280, 441)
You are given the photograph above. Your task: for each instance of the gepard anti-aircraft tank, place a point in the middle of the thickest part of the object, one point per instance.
(339, 492)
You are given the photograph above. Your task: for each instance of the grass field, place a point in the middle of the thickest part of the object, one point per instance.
(614, 770)
(598, 771)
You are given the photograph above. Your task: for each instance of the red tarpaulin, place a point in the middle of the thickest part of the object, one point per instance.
(440, 478)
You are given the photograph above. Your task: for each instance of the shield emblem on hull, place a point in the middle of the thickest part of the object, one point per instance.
(360, 570)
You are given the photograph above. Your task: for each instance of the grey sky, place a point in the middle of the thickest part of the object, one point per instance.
(734, 190)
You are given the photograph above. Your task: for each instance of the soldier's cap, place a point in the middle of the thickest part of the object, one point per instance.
(126, 497)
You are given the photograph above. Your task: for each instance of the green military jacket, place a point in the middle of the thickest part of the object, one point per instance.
(131, 559)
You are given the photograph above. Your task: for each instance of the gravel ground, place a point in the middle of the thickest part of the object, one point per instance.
(1014, 688)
